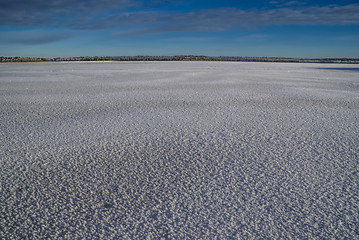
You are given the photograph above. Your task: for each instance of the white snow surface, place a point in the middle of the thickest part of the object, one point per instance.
(179, 150)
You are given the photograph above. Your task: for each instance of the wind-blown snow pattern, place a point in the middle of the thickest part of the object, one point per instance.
(179, 150)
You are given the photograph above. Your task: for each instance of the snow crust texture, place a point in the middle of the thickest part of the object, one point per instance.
(179, 150)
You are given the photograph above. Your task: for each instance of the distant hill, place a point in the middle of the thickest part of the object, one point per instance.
(182, 58)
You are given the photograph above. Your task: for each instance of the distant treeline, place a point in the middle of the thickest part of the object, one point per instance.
(182, 58)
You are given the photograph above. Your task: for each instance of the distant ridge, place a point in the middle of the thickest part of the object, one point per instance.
(182, 58)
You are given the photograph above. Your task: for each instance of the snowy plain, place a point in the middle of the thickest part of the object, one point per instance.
(179, 150)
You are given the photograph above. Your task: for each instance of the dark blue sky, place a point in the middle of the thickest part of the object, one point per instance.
(60, 28)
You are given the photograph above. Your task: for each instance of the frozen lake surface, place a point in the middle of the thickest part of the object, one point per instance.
(179, 150)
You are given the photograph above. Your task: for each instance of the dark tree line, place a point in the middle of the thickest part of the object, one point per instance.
(181, 58)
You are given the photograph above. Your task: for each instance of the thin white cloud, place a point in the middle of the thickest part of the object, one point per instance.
(133, 20)
(34, 37)
(228, 19)
(192, 39)
(253, 38)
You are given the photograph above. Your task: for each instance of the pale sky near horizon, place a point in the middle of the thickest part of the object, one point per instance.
(65, 28)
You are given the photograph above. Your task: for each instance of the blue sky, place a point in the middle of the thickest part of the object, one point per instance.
(278, 28)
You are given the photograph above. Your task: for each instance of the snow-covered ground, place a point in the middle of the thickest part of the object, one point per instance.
(179, 150)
